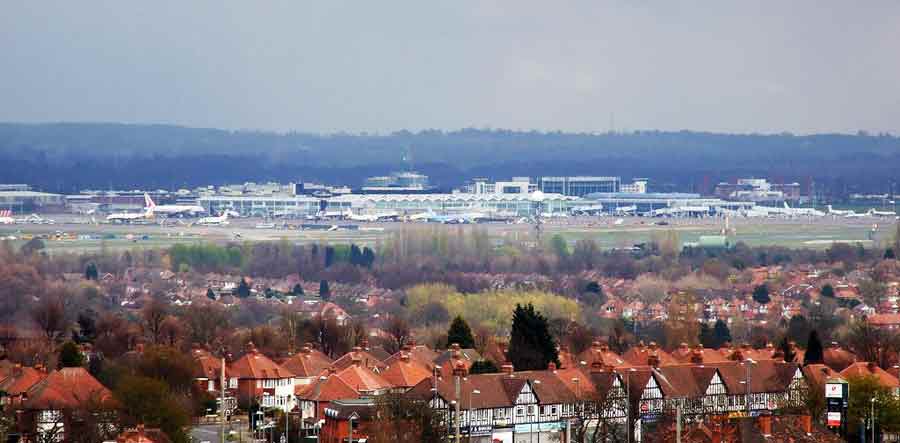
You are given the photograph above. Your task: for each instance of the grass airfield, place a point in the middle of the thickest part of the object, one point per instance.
(793, 233)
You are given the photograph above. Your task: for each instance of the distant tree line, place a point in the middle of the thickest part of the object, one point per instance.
(68, 157)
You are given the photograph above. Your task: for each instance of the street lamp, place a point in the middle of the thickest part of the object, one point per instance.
(629, 428)
(746, 381)
(872, 412)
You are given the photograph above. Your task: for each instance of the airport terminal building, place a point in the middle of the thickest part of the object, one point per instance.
(520, 205)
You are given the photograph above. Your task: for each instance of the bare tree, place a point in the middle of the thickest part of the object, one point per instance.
(398, 330)
(153, 315)
(50, 315)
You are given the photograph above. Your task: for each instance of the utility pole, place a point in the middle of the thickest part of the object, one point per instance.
(678, 423)
(222, 399)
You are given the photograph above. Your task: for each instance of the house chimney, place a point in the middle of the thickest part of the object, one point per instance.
(357, 349)
(251, 348)
(653, 346)
(653, 359)
(356, 359)
(507, 368)
(404, 357)
(683, 347)
(455, 350)
(765, 425)
(604, 348)
(459, 370)
(364, 343)
(306, 350)
(139, 348)
(697, 356)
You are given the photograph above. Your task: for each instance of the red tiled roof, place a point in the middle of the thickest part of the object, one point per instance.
(255, 365)
(866, 369)
(367, 359)
(308, 363)
(67, 388)
(363, 379)
(326, 389)
(20, 380)
(405, 373)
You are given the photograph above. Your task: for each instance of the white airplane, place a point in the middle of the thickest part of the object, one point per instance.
(171, 210)
(619, 222)
(6, 217)
(382, 216)
(626, 210)
(554, 215)
(804, 211)
(129, 217)
(326, 215)
(213, 221)
(422, 216)
(841, 213)
(875, 213)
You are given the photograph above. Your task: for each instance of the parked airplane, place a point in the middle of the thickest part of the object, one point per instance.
(172, 210)
(129, 217)
(381, 216)
(841, 213)
(875, 213)
(626, 210)
(213, 221)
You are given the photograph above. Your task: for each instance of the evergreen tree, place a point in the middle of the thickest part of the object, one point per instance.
(297, 290)
(210, 294)
(705, 336)
(368, 257)
(355, 256)
(70, 356)
(243, 290)
(786, 350)
(798, 328)
(324, 290)
(483, 367)
(91, 272)
(329, 256)
(460, 333)
(827, 290)
(721, 333)
(761, 294)
(531, 347)
(814, 350)
(889, 254)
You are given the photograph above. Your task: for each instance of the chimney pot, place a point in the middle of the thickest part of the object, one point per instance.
(507, 368)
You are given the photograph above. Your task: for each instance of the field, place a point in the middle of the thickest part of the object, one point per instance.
(817, 234)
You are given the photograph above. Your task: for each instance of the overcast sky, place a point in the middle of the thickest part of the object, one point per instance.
(741, 66)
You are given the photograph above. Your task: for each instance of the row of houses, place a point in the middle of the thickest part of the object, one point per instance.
(643, 387)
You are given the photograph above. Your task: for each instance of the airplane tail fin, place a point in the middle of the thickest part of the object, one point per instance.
(148, 202)
(786, 206)
(829, 209)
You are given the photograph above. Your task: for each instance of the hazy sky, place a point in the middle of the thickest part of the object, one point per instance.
(741, 66)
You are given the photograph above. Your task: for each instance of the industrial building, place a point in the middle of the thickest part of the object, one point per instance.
(758, 190)
(20, 201)
(641, 203)
(405, 204)
(578, 186)
(398, 183)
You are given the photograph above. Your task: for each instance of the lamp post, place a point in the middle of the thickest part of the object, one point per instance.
(872, 412)
(628, 425)
(747, 364)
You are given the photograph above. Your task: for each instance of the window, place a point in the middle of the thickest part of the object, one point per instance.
(520, 411)
(553, 410)
(530, 410)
